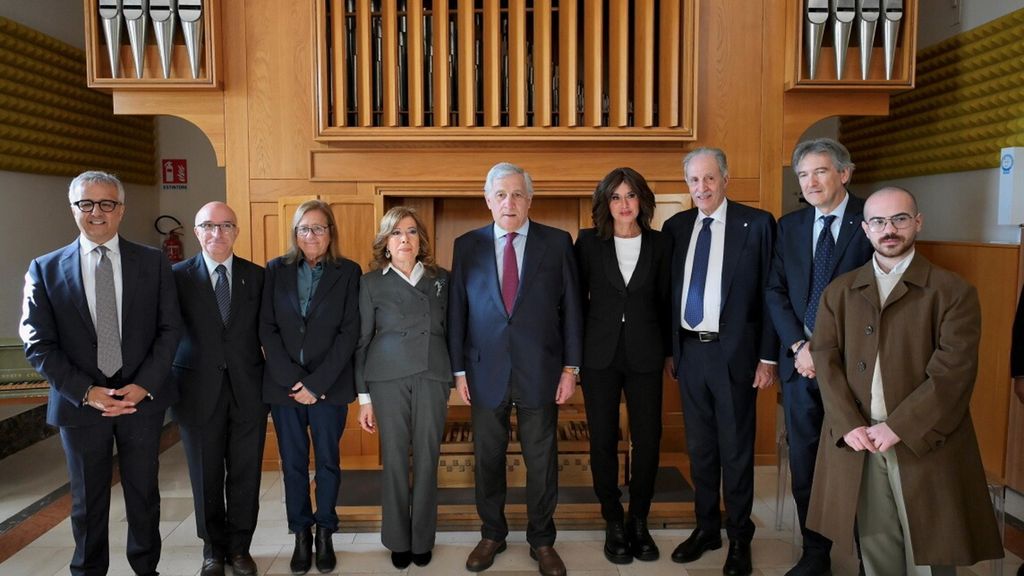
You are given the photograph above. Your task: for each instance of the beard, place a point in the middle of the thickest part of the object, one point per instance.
(902, 245)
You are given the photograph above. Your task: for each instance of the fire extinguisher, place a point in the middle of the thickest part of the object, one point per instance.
(172, 246)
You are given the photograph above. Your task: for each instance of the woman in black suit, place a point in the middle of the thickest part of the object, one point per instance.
(624, 277)
(403, 376)
(309, 326)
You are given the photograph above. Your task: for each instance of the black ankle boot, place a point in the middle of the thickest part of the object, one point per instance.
(302, 557)
(616, 544)
(640, 541)
(325, 560)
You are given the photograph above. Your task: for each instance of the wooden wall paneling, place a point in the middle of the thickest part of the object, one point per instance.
(492, 63)
(339, 60)
(593, 61)
(643, 63)
(286, 206)
(389, 61)
(668, 64)
(586, 212)
(568, 54)
(542, 63)
(265, 224)
(517, 62)
(235, 124)
(441, 88)
(364, 63)
(690, 47)
(270, 190)
(992, 269)
(772, 122)
(357, 225)
(466, 73)
(618, 63)
(280, 87)
(414, 46)
(1015, 426)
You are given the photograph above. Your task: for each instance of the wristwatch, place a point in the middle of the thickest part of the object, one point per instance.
(574, 370)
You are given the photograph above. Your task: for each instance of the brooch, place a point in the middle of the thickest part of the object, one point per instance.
(439, 284)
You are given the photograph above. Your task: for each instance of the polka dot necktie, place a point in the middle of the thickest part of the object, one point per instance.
(821, 269)
(108, 335)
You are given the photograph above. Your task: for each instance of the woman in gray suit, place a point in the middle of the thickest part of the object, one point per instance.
(403, 376)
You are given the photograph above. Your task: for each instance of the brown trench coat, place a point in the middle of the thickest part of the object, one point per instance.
(927, 334)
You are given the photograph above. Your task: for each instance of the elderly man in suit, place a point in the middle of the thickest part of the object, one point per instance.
(724, 350)
(100, 322)
(895, 349)
(815, 244)
(219, 372)
(515, 339)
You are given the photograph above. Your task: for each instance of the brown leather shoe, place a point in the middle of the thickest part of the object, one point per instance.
(548, 560)
(242, 563)
(482, 556)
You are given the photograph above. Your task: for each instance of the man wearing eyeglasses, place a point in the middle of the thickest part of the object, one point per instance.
(100, 322)
(219, 372)
(895, 349)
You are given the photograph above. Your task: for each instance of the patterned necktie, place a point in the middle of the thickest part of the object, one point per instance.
(223, 293)
(108, 336)
(821, 270)
(694, 312)
(509, 273)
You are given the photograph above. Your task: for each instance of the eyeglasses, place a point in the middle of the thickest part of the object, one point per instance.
(899, 222)
(90, 205)
(314, 230)
(210, 227)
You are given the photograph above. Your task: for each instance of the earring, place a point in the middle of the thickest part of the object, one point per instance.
(387, 253)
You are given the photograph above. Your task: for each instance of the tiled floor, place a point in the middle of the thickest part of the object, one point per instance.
(773, 551)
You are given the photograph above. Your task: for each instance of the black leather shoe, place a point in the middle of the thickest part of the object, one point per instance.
(616, 545)
(242, 564)
(640, 542)
(212, 567)
(696, 545)
(401, 560)
(737, 563)
(812, 564)
(325, 559)
(302, 557)
(422, 559)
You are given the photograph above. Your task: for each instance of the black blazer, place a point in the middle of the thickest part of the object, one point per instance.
(208, 348)
(60, 338)
(544, 331)
(644, 302)
(1017, 343)
(744, 326)
(790, 280)
(327, 336)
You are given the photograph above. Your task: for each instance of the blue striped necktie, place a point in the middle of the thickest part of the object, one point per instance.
(223, 293)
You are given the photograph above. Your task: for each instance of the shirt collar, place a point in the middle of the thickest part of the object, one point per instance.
(838, 212)
(898, 269)
(113, 245)
(416, 270)
(523, 230)
(718, 215)
(211, 264)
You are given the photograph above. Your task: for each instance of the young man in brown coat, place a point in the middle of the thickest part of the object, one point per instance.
(896, 352)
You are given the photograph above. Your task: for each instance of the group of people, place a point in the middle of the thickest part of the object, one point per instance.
(876, 348)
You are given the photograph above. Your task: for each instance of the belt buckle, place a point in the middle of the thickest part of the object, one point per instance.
(706, 337)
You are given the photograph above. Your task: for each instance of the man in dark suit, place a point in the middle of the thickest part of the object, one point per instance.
(219, 372)
(815, 244)
(724, 350)
(100, 322)
(514, 336)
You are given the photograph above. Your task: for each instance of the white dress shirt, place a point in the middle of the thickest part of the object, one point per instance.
(211, 269)
(713, 283)
(837, 223)
(519, 244)
(90, 258)
(627, 252)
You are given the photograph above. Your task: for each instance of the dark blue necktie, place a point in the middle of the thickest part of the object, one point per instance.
(223, 293)
(821, 270)
(694, 312)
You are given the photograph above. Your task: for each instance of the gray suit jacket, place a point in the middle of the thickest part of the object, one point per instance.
(402, 328)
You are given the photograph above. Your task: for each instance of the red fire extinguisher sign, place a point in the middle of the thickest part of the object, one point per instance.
(174, 173)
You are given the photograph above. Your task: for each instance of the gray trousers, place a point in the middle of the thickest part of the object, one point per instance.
(410, 415)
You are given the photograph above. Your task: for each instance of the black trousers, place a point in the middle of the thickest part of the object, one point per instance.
(801, 401)
(602, 391)
(89, 452)
(719, 414)
(225, 457)
(537, 430)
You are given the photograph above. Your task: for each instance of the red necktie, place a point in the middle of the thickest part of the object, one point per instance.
(509, 273)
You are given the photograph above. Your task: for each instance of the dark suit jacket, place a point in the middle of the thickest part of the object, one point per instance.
(60, 338)
(402, 328)
(544, 331)
(208, 348)
(607, 298)
(1017, 344)
(327, 336)
(744, 327)
(790, 280)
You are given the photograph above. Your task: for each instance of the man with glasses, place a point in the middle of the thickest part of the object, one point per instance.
(814, 245)
(100, 322)
(895, 349)
(219, 372)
